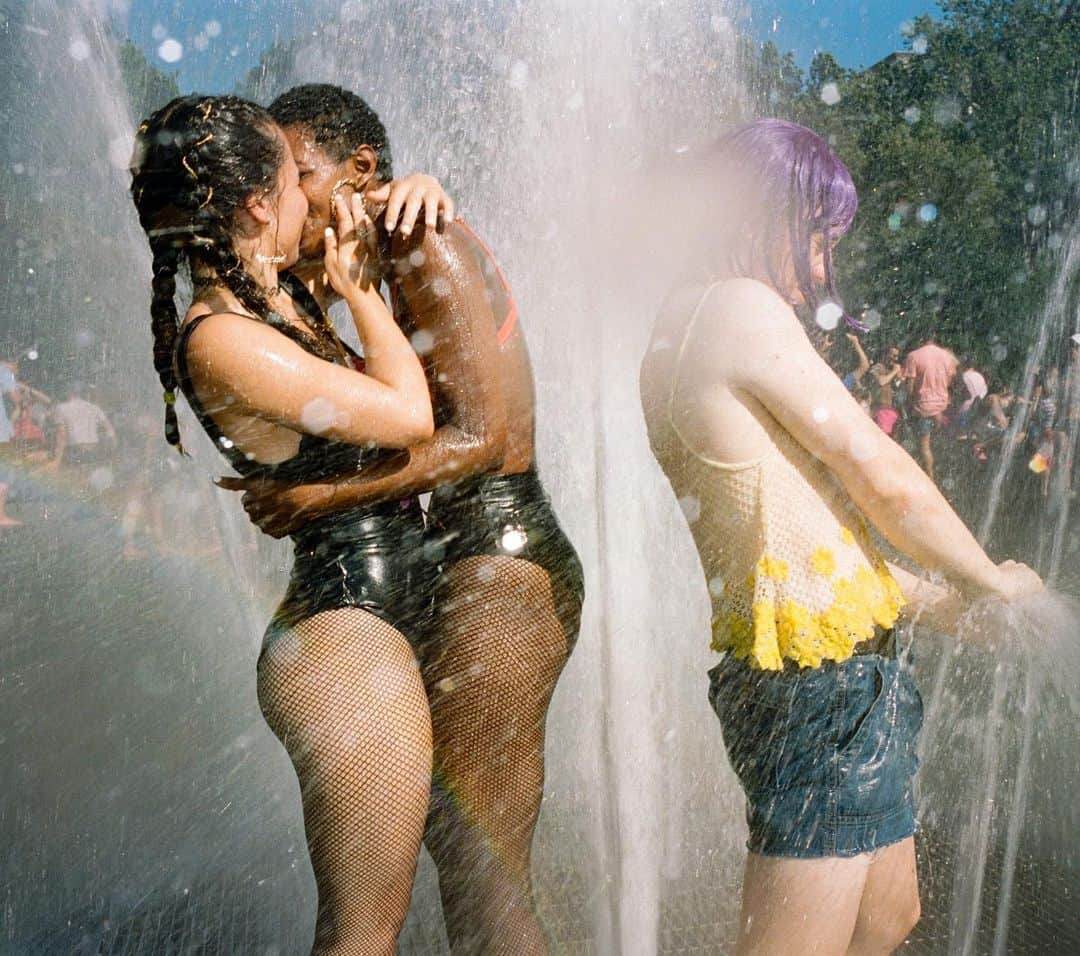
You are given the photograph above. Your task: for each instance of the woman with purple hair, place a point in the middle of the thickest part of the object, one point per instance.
(818, 709)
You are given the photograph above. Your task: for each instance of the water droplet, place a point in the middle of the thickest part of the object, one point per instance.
(830, 94)
(912, 115)
(999, 352)
(225, 442)
(32, 355)
(820, 414)
(101, 479)
(691, 508)
(200, 42)
(716, 586)
(920, 45)
(79, 49)
(170, 50)
(895, 222)
(575, 102)
(927, 212)
(422, 341)
(440, 287)
(947, 111)
(872, 319)
(863, 448)
(1036, 215)
(318, 416)
(18, 169)
(519, 75)
(417, 258)
(159, 32)
(828, 315)
(120, 150)
(212, 28)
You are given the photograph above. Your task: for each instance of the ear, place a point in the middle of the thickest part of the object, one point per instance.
(364, 162)
(259, 207)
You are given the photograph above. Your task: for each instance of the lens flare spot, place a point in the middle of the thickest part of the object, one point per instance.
(830, 94)
(828, 315)
(318, 416)
(170, 50)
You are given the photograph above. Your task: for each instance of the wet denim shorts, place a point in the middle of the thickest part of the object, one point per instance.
(825, 755)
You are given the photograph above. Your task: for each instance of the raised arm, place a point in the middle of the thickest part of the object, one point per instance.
(760, 347)
(445, 294)
(239, 364)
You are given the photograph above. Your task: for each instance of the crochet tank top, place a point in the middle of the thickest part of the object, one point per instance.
(791, 570)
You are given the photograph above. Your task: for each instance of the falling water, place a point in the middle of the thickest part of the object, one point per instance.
(152, 811)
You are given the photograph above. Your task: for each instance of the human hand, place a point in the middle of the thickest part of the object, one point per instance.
(405, 198)
(1016, 581)
(275, 508)
(352, 248)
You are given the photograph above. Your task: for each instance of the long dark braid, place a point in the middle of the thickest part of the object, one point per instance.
(196, 162)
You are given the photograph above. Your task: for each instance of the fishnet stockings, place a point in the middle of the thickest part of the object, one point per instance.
(499, 645)
(343, 693)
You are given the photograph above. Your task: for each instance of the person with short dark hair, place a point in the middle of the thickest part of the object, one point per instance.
(930, 371)
(510, 588)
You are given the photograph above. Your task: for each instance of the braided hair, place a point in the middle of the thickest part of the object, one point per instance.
(196, 162)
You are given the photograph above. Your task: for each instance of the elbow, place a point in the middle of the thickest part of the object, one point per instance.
(418, 425)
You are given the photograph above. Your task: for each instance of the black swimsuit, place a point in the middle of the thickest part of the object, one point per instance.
(509, 515)
(371, 557)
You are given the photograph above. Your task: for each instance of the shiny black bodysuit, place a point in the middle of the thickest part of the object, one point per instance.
(371, 557)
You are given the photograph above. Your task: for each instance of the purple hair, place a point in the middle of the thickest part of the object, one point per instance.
(785, 182)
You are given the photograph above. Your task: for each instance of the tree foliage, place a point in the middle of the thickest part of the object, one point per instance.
(963, 147)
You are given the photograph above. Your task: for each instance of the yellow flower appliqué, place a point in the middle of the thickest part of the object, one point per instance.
(823, 561)
(775, 568)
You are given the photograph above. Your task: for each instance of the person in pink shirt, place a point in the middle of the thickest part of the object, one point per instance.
(930, 371)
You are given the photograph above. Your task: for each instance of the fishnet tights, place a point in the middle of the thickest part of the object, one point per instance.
(343, 693)
(499, 645)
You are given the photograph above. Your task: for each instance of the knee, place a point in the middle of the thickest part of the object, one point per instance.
(884, 931)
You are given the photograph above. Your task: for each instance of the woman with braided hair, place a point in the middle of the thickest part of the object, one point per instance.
(218, 195)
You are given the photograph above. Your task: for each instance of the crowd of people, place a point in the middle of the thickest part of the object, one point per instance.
(73, 444)
(953, 414)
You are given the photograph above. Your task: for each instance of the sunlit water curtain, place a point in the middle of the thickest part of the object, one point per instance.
(150, 807)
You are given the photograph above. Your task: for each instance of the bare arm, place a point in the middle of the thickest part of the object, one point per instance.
(248, 368)
(771, 358)
(447, 297)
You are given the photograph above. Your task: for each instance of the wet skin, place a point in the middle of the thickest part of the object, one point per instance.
(448, 297)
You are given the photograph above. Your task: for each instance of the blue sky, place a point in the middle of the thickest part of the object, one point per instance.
(233, 33)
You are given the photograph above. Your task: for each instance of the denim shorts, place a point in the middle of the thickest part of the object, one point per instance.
(825, 755)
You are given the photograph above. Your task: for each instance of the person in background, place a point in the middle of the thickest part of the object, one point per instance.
(885, 375)
(81, 424)
(930, 370)
(9, 386)
(974, 390)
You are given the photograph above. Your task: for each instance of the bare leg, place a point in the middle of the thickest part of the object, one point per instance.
(342, 691)
(890, 902)
(805, 907)
(926, 451)
(6, 521)
(499, 647)
(859, 906)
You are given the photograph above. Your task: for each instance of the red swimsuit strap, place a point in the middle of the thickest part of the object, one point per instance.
(510, 320)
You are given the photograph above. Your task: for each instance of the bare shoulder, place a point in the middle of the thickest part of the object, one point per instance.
(746, 314)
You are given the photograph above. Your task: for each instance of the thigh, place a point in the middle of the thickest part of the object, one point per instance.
(890, 901)
(800, 906)
(345, 679)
